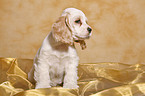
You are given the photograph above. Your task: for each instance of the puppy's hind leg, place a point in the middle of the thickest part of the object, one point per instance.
(31, 75)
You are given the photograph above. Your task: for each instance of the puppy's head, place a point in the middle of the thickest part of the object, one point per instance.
(72, 27)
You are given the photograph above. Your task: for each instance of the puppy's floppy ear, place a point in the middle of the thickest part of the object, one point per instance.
(82, 44)
(61, 31)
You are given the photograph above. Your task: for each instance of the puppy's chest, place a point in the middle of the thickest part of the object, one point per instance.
(58, 60)
(61, 51)
(59, 54)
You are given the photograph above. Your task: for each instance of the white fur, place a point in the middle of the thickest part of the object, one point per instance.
(56, 61)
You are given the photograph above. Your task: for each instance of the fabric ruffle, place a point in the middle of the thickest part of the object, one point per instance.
(97, 79)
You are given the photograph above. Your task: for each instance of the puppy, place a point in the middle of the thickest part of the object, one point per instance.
(56, 61)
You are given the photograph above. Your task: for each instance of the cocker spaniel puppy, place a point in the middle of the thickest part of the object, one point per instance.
(57, 60)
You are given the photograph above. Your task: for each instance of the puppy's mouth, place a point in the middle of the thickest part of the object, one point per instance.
(81, 37)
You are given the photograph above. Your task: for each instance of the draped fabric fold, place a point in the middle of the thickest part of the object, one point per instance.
(97, 79)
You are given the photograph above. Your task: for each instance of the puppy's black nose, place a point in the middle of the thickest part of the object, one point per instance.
(89, 29)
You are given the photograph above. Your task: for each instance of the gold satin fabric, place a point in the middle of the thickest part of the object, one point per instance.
(99, 79)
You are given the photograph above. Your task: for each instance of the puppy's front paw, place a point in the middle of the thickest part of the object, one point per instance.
(42, 86)
(70, 86)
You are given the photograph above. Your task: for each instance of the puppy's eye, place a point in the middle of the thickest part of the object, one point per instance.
(78, 21)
